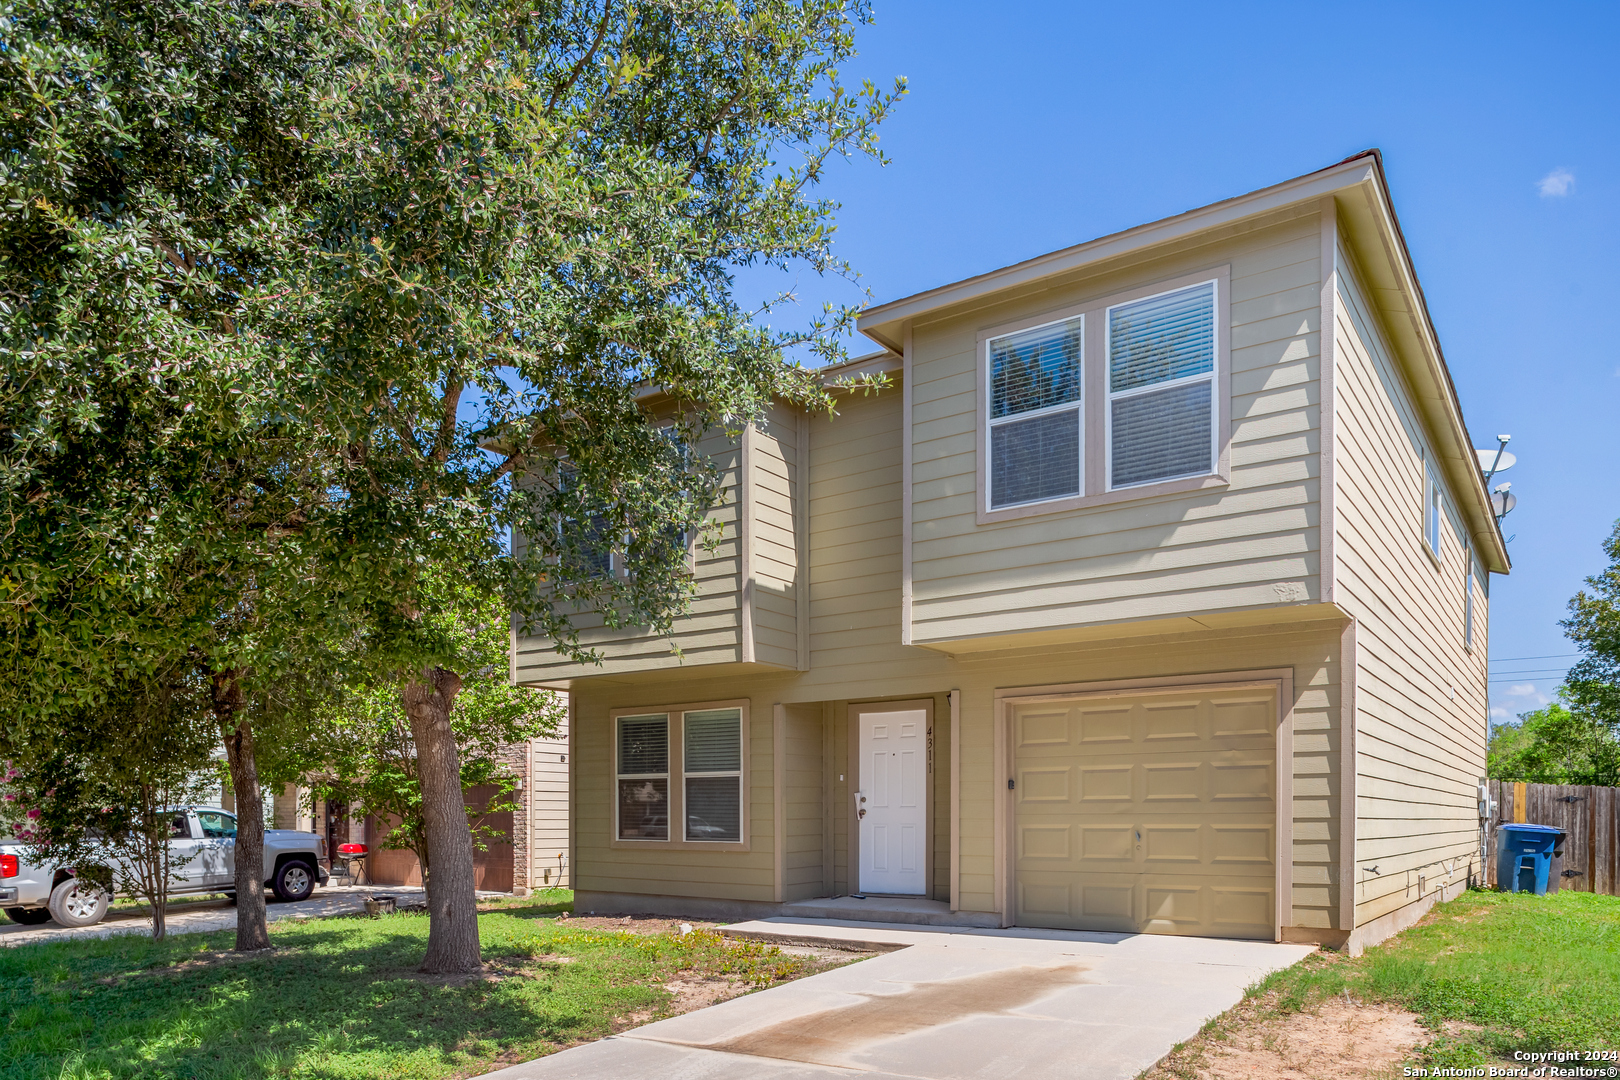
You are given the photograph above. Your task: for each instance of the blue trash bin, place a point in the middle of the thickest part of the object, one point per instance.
(1524, 856)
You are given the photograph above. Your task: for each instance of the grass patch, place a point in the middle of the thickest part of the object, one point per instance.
(340, 999)
(1512, 972)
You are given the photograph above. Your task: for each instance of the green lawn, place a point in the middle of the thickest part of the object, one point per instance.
(1532, 973)
(339, 998)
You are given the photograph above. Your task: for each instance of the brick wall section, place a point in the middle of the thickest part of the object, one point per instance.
(515, 757)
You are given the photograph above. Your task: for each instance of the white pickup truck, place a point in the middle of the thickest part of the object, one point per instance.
(203, 836)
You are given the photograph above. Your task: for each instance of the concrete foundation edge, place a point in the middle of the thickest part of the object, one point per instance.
(691, 907)
(1391, 923)
(701, 907)
(1325, 936)
(716, 910)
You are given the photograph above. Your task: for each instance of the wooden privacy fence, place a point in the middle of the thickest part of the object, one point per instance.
(1586, 814)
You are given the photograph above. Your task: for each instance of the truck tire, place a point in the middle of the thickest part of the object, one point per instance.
(74, 903)
(28, 916)
(294, 881)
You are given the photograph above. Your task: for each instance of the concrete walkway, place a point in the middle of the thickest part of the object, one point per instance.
(201, 916)
(949, 1004)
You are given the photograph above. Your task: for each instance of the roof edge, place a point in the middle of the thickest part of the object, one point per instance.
(881, 323)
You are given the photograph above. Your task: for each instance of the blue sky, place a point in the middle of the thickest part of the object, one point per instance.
(1033, 126)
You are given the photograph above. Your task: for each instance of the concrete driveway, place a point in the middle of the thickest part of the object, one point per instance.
(949, 1004)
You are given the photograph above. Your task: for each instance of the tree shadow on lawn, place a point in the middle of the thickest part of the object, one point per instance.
(335, 1000)
(541, 908)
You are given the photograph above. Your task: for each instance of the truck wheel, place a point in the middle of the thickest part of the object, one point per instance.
(74, 903)
(294, 882)
(28, 916)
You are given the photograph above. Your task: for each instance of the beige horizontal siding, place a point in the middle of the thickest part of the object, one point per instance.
(1421, 697)
(1310, 650)
(774, 559)
(1210, 551)
(692, 872)
(854, 557)
(710, 633)
(548, 810)
(804, 815)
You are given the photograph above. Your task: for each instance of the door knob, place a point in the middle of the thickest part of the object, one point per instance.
(861, 813)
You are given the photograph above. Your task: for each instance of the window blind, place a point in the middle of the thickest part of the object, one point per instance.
(713, 741)
(1162, 338)
(713, 744)
(1035, 369)
(1161, 435)
(1034, 413)
(643, 745)
(643, 777)
(1161, 383)
(714, 808)
(1034, 459)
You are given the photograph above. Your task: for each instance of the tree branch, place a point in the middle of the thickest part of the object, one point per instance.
(447, 419)
(579, 68)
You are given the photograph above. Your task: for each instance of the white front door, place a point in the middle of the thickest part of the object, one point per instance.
(892, 803)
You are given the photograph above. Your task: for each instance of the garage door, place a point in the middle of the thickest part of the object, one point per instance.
(1148, 812)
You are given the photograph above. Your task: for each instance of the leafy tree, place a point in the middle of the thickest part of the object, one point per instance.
(103, 798)
(1592, 686)
(159, 496)
(361, 751)
(538, 211)
(1555, 745)
(291, 293)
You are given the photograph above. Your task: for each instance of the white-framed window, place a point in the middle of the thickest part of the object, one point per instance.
(643, 776)
(711, 765)
(601, 550)
(1036, 420)
(1434, 512)
(1117, 398)
(679, 775)
(1162, 376)
(1468, 597)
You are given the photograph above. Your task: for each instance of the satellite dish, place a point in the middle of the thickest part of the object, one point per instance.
(1489, 462)
(1503, 503)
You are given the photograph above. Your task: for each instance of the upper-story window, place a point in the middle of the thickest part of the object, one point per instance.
(1468, 597)
(1161, 387)
(1036, 422)
(1118, 398)
(1434, 503)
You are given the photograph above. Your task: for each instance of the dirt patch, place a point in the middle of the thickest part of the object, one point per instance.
(686, 995)
(827, 1037)
(635, 924)
(1342, 1039)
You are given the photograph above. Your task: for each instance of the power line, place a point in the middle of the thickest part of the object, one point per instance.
(1532, 671)
(1516, 659)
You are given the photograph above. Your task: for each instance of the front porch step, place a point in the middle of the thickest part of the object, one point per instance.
(912, 910)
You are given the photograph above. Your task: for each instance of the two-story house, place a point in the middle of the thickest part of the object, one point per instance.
(1150, 598)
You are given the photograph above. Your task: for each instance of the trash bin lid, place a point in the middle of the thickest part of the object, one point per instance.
(1516, 827)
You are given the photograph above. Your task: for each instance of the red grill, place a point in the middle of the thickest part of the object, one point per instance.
(351, 849)
(8, 866)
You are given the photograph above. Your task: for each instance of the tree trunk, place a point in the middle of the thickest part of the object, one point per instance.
(452, 904)
(154, 847)
(252, 930)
